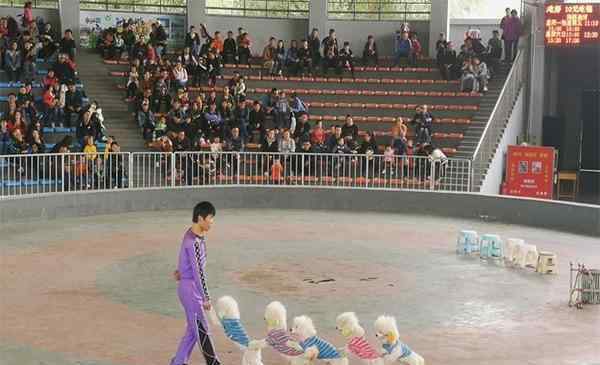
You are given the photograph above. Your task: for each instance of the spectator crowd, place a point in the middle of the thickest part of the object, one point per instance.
(172, 119)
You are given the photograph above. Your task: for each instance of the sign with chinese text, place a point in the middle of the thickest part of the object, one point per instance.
(530, 171)
(568, 25)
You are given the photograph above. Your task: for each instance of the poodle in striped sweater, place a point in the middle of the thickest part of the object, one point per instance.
(316, 347)
(228, 315)
(348, 325)
(394, 350)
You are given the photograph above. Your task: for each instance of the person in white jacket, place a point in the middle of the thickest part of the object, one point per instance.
(180, 74)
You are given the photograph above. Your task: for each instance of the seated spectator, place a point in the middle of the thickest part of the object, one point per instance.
(346, 59)
(180, 75)
(368, 145)
(50, 79)
(370, 56)
(468, 80)
(118, 47)
(481, 74)
(86, 128)
(424, 123)
(332, 139)
(55, 114)
(25, 94)
(291, 58)
(270, 144)
(235, 142)
(256, 121)
(305, 61)
(64, 70)
(330, 43)
(181, 143)
(18, 123)
(297, 105)
(239, 91)
(48, 40)
(17, 145)
(350, 129)
(146, 121)
(287, 143)
(330, 61)
(302, 130)
(160, 130)
(73, 103)
(67, 45)
(214, 121)
(317, 136)
(133, 84)
(402, 47)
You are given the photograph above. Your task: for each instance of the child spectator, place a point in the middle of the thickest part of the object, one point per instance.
(346, 60)
(416, 49)
(180, 75)
(481, 74)
(350, 129)
(239, 91)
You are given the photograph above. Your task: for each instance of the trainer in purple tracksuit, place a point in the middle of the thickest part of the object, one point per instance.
(192, 289)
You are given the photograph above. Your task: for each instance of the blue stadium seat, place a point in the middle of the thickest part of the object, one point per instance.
(50, 146)
(11, 183)
(48, 130)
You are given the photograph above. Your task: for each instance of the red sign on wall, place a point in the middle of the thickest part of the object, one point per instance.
(530, 171)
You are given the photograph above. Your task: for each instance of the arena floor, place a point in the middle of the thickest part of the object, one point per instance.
(99, 290)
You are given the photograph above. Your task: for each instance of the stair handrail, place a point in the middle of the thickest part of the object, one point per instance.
(515, 81)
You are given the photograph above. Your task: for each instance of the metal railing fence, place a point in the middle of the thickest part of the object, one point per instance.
(26, 175)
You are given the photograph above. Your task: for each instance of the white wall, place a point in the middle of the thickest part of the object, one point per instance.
(493, 180)
(50, 15)
(458, 27)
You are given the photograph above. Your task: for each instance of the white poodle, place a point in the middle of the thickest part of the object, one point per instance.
(348, 325)
(394, 350)
(278, 337)
(228, 315)
(316, 348)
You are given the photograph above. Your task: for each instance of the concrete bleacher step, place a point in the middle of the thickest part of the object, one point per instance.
(117, 118)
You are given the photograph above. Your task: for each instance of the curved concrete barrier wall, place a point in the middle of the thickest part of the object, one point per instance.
(577, 218)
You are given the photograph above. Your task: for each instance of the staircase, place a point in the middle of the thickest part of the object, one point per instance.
(117, 118)
(475, 130)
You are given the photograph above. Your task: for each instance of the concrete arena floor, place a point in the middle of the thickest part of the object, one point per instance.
(99, 290)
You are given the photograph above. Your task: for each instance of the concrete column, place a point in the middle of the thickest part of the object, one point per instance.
(69, 17)
(536, 78)
(439, 22)
(318, 17)
(196, 13)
